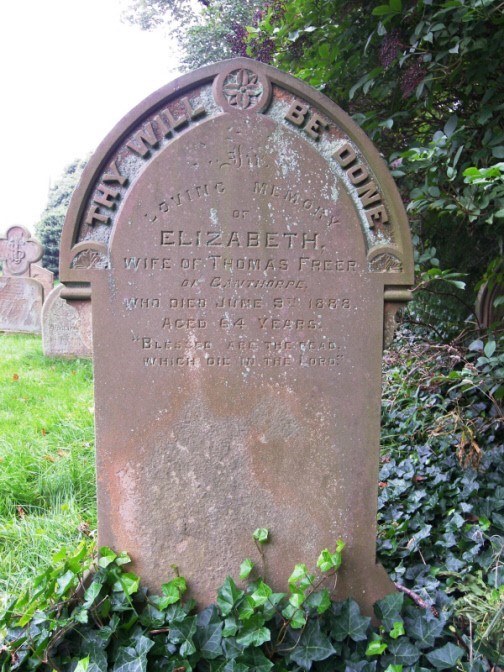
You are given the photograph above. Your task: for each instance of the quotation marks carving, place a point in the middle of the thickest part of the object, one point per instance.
(242, 89)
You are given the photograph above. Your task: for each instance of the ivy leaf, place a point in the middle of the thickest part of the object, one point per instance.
(233, 666)
(127, 582)
(424, 629)
(131, 659)
(255, 660)
(398, 630)
(107, 556)
(245, 568)
(296, 617)
(82, 665)
(231, 648)
(350, 623)
(253, 636)
(402, 652)
(247, 610)
(228, 596)
(375, 648)
(261, 535)
(173, 590)
(183, 633)
(388, 609)
(446, 657)
(93, 645)
(261, 594)
(208, 639)
(91, 594)
(230, 627)
(312, 646)
(490, 348)
(319, 600)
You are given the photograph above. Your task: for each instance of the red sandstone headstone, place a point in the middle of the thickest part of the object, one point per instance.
(44, 276)
(245, 248)
(66, 326)
(20, 304)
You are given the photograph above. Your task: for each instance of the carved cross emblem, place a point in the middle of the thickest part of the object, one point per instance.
(18, 250)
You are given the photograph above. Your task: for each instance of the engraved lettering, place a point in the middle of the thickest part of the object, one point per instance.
(107, 197)
(345, 155)
(315, 126)
(377, 216)
(368, 194)
(367, 190)
(143, 141)
(297, 113)
(132, 303)
(93, 215)
(114, 175)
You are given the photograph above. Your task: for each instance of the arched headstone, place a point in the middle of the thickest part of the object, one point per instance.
(245, 248)
(66, 326)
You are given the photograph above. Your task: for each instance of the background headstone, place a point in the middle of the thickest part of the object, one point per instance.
(21, 297)
(243, 241)
(66, 326)
(20, 304)
(44, 276)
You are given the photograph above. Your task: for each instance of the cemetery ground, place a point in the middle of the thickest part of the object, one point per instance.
(441, 507)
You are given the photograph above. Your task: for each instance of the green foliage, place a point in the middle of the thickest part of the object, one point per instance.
(50, 226)
(425, 81)
(111, 623)
(441, 501)
(217, 32)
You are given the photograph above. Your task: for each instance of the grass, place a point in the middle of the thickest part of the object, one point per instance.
(47, 473)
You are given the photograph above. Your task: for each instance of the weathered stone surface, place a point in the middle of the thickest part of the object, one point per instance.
(66, 326)
(243, 241)
(20, 304)
(18, 250)
(44, 276)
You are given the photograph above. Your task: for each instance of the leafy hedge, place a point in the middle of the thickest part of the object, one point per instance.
(441, 495)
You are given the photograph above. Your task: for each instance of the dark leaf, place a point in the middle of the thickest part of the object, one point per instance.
(446, 657)
(350, 623)
(388, 609)
(312, 646)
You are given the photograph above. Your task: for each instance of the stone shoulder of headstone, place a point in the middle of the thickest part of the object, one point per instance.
(66, 326)
(44, 276)
(245, 248)
(18, 250)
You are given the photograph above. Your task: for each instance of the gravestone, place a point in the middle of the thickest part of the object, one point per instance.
(20, 305)
(44, 276)
(21, 297)
(66, 326)
(246, 249)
